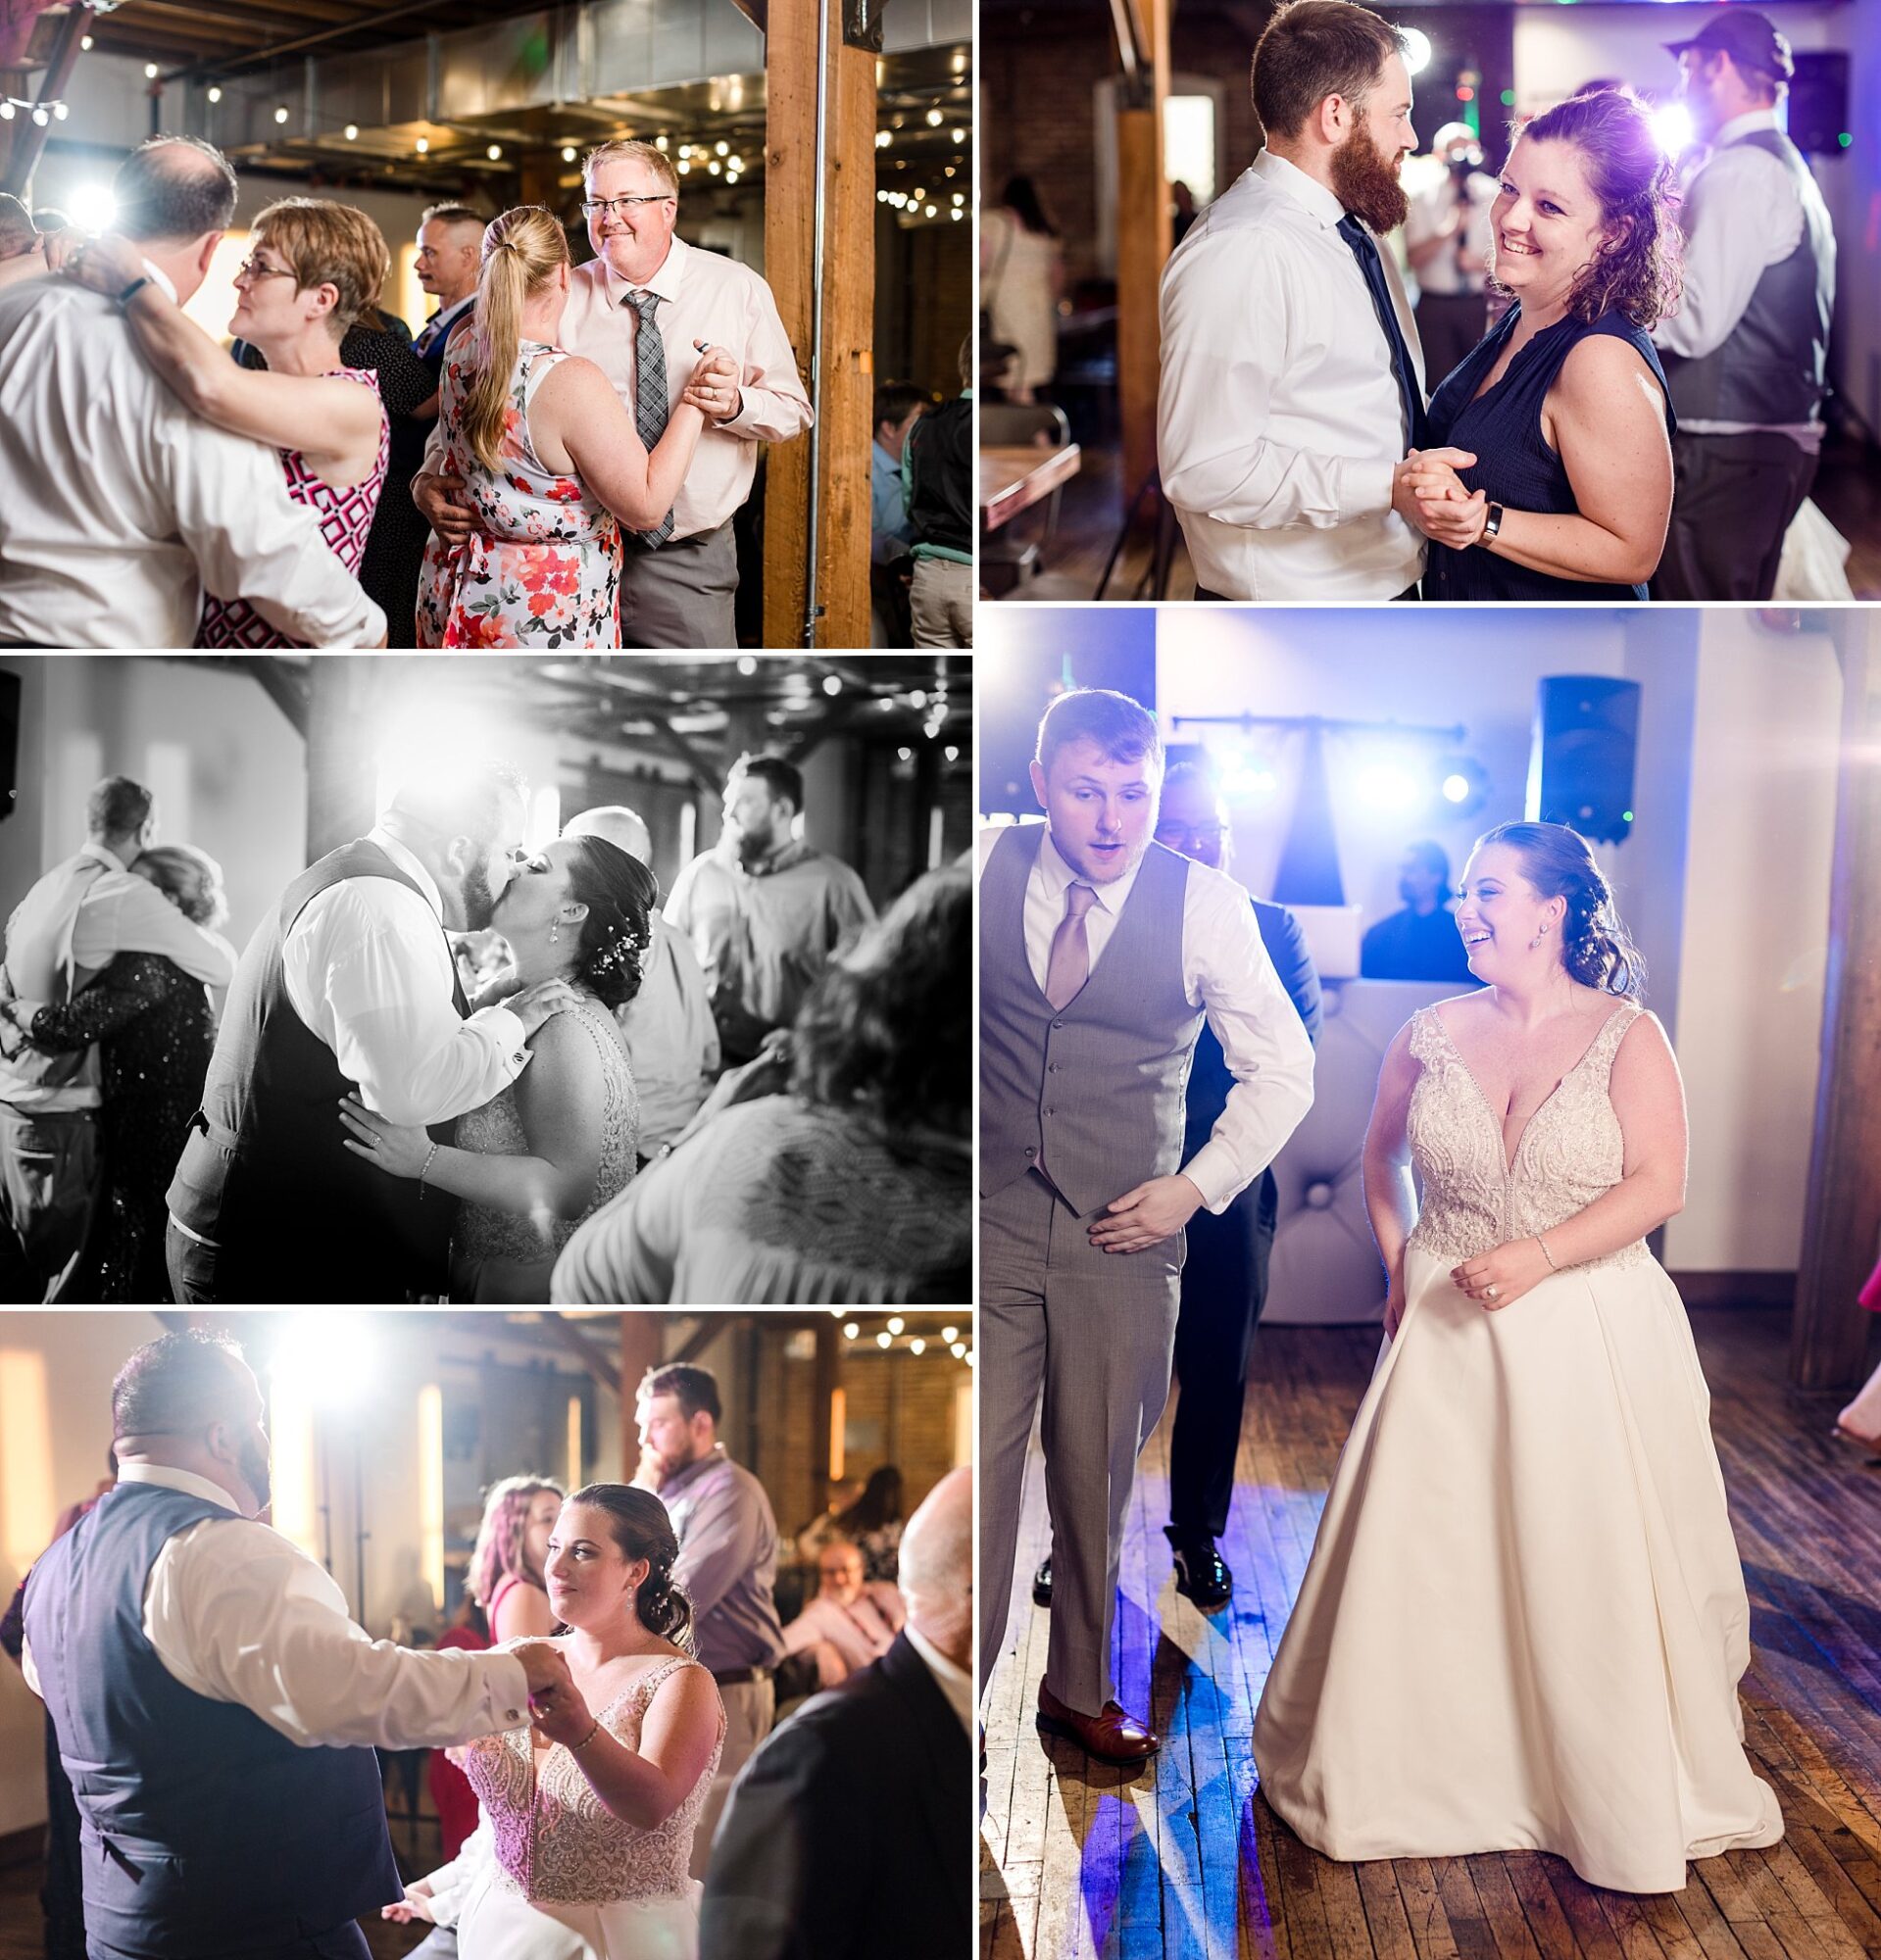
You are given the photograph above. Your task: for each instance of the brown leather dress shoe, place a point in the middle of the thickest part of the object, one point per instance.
(1111, 1737)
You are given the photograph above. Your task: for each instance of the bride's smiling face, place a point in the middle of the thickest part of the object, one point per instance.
(1547, 220)
(591, 1580)
(1499, 912)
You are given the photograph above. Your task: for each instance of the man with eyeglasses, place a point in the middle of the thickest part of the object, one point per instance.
(349, 987)
(639, 311)
(1224, 1277)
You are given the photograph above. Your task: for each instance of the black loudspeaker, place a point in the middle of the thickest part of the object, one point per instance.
(1029, 679)
(8, 743)
(1580, 767)
(1820, 102)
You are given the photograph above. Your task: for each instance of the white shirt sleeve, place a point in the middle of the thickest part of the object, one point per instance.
(773, 406)
(252, 541)
(368, 970)
(238, 1613)
(451, 1884)
(1226, 332)
(1743, 217)
(1265, 1045)
(122, 912)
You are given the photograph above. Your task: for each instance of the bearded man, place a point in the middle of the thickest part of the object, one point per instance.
(1293, 387)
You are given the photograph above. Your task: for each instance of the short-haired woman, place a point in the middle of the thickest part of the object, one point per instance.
(156, 1031)
(1563, 403)
(312, 269)
(551, 462)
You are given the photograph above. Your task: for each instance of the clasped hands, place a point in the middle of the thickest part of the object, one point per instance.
(1429, 494)
(1498, 1279)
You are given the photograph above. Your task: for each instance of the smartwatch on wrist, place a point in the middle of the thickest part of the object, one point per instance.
(1492, 523)
(131, 291)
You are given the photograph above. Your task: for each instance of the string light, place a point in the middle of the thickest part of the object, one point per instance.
(216, 94)
(495, 153)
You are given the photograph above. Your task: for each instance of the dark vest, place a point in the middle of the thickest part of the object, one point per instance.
(264, 1173)
(205, 1832)
(1095, 1091)
(940, 476)
(1772, 369)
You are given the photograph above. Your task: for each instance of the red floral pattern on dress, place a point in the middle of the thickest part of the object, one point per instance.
(346, 516)
(542, 569)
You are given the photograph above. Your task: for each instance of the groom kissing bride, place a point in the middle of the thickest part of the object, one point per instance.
(1296, 439)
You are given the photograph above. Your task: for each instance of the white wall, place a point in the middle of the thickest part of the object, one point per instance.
(1756, 896)
(229, 771)
(55, 1429)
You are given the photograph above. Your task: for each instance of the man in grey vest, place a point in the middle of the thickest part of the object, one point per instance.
(1100, 954)
(1747, 352)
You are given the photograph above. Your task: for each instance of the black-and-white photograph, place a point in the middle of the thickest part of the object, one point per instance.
(491, 981)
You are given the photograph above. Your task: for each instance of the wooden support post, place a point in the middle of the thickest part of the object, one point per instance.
(1830, 1335)
(642, 1346)
(848, 281)
(341, 768)
(1143, 235)
(829, 1378)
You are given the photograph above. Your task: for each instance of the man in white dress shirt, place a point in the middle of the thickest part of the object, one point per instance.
(673, 1040)
(119, 508)
(62, 936)
(216, 1706)
(350, 987)
(1101, 954)
(1747, 352)
(636, 311)
(1291, 387)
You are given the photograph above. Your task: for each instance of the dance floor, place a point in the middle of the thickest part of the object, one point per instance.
(1187, 1860)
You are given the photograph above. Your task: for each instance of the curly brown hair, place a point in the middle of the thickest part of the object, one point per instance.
(1635, 272)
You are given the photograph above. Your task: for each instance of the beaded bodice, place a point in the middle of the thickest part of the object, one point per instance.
(1474, 1196)
(554, 1839)
(495, 1129)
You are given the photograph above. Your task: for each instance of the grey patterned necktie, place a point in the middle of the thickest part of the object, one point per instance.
(649, 406)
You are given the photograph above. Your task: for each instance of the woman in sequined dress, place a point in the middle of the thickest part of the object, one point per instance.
(590, 1813)
(156, 1031)
(558, 1142)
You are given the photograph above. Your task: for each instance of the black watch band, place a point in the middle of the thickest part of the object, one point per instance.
(131, 291)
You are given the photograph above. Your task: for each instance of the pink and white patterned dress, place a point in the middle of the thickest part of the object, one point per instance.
(346, 516)
(543, 566)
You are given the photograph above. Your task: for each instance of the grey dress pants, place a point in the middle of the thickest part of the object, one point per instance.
(1083, 1339)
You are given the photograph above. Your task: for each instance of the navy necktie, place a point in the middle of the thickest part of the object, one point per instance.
(1365, 251)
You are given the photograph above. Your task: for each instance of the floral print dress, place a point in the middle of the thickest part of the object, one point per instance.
(543, 566)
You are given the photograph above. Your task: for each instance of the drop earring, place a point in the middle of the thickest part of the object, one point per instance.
(555, 930)
(1537, 940)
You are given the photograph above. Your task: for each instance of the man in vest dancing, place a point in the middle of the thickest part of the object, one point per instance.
(214, 1707)
(1747, 352)
(351, 987)
(1100, 954)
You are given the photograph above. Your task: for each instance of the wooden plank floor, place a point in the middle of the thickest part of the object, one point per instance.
(1185, 1860)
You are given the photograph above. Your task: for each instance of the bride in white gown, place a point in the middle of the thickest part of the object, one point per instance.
(588, 1815)
(1523, 1622)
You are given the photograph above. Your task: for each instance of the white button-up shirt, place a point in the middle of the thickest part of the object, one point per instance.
(1743, 213)
(72, 925)
(706, 297)
(238, 1613)
(1279, 420)
(118, 509)
(368, 969)
(1227, 973)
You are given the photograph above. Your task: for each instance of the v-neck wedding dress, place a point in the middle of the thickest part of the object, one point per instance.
(1523, 1621)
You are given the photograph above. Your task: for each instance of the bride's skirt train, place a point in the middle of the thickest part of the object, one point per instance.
(1525, 1620)
(499, 1924)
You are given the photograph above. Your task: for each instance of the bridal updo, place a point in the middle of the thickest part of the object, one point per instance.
(1596, 946)
(641, 1528)
(1636, 271)
(621, 894)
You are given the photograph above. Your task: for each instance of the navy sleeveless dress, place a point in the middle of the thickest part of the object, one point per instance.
(1513, 462)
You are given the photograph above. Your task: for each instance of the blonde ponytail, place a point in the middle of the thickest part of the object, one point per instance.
(521, 250)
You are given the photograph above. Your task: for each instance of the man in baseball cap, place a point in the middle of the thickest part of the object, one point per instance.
(1747, 352)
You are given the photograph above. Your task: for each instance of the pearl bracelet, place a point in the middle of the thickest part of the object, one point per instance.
(1545, 1253)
